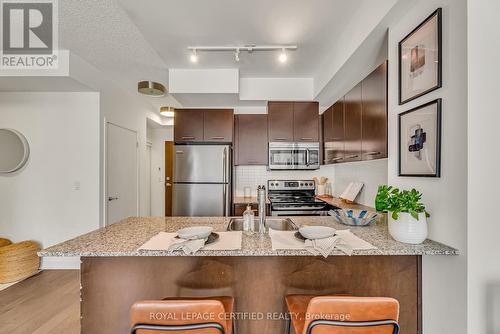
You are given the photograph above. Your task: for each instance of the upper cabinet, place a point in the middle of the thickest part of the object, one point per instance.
(306, 121)
(218, 125)
(352, 124)
(250, 141)
(188, 125)
(374, 115)
(333, 133)
(203, 125)
(280, 121)
(293, 121)
(355, 127)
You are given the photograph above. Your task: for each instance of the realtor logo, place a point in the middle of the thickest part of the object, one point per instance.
(29, 34)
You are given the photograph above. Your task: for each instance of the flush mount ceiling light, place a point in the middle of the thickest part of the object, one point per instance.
(167, 111)
(151, 88)
(250, 48)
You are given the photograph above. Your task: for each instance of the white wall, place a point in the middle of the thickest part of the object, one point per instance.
(222, 80)
(43, 202)
(276, 89)
(158, 137)
(484, 180)
(444, 278)
(371, 173)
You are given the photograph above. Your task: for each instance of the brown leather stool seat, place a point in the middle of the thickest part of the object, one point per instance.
(312, 314)
(186, 315)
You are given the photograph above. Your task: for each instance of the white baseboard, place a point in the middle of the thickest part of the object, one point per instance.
(69, 262)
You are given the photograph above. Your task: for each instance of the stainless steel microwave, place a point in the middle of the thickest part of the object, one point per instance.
(297, 155)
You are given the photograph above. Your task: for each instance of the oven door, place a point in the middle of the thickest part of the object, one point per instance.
(299, 213)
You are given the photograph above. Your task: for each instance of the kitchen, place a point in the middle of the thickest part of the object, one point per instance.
(264, 161)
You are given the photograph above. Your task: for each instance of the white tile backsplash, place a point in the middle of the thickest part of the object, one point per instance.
(371, 173)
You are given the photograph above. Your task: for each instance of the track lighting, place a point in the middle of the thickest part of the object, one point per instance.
(194, 56)
(236, 49)
(283, 56)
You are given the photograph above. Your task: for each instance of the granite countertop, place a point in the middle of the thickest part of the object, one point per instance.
(126, 236)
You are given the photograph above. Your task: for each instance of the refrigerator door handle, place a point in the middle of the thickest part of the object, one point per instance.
(224, 191)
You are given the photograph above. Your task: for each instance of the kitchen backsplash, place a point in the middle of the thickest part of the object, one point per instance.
(371, 173)
(253, 176)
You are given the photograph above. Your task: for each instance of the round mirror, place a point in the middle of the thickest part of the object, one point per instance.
(14, 151)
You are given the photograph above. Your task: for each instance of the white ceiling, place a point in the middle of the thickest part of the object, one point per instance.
(131, 40)
(170, 26)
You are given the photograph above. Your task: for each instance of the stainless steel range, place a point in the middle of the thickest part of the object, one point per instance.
(295, 198)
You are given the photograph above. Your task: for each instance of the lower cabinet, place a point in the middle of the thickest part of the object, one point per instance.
(240, 208)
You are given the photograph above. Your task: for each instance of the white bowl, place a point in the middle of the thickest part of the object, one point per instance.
(195, 232)
(317, 232)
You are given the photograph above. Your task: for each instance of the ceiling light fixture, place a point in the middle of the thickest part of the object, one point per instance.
(167, 111)
(236, 49)
(194, 56)
(151, 88)
(283, 57)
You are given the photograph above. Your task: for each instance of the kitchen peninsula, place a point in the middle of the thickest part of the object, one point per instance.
(114, 274)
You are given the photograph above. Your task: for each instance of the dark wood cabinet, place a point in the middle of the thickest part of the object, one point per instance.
(280, 121)
(203, 125)
(306, 121)
(250, 140)
(334, 140)
(293, 121)
(352, 124)
(188, 125)
(240, 208)
(218, 125)
(374, 114)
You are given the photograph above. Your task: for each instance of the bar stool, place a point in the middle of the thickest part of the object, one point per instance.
(342, 314)
(193, 315)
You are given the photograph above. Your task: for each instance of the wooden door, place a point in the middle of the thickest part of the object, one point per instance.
(169, 174)
(306, 121)
(251, 140)
(188, 125)
(374, 114)
(218, 125)
(334, 148)
(280, 121)
(352, 124)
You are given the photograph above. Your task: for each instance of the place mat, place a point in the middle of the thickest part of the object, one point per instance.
(348, 241)
(163, 240)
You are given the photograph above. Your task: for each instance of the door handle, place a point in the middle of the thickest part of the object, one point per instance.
(110, 198)
(373, 153)
(187, 137)
(307, 138)
(352, 156)
(218, 138)
(307, 157)
(179, 152)
(168, 184)
(280, 139)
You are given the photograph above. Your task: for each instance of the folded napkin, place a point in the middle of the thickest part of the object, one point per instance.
(188, 246)
(344, 241)
(169, 242)
(326, 245)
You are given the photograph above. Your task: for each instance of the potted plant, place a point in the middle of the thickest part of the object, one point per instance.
(407, 218)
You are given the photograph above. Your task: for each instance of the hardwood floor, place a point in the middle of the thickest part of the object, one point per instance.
(46, 303)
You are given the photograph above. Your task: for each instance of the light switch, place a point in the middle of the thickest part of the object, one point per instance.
(76, 185)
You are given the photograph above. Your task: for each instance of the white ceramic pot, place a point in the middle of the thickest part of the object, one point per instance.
(408, 229)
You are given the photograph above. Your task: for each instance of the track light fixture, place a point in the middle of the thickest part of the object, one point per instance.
(250, 48)
(194, 56)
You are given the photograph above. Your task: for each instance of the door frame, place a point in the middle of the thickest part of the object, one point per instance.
(105, 170)
(168, 143)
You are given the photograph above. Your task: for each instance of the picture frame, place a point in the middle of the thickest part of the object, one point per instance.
(419, 140)
(420, 59)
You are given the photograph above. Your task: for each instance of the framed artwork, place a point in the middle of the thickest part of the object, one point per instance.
(420, 140)
(420, 59)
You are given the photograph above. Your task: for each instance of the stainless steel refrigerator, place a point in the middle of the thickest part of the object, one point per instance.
(202, 180)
